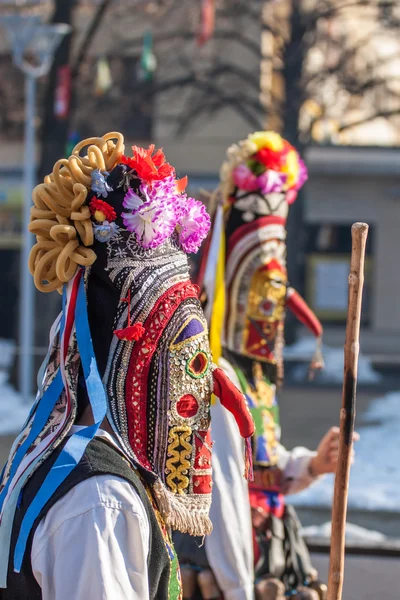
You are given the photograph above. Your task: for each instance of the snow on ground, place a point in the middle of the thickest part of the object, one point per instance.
(333, 357)
(13, 411)
(354, 533)
(7, 353)
(375, 476)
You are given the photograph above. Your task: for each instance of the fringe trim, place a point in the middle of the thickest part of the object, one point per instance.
(248, 460)
(186, 513)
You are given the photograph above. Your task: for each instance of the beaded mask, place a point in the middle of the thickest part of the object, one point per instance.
(159, 386)
(113, 233)
(259, 181)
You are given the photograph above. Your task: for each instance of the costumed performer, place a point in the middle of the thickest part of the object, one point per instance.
(116, 450)
(247, 295)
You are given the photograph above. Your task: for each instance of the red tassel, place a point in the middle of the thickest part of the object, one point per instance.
(132, 333)
(248, 460)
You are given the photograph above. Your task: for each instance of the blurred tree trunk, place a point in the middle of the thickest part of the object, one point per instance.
(285, 89)
(294, 56)
(54, 132)
(53, 139)
(56, 129)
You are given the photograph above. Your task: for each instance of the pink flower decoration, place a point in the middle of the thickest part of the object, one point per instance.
(152, 224)
(271, 181)
(132, 201)
(244, 179)
(193, 225)
(154, 215)
(157, 210)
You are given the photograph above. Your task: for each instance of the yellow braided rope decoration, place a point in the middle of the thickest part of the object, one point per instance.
(178, 464)
(59, 217)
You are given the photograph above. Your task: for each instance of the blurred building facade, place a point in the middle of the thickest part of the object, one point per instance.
(353, 176)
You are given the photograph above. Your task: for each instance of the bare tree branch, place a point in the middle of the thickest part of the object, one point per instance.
(187, 36)
(379, 114)
(332, 9)
(89, 36)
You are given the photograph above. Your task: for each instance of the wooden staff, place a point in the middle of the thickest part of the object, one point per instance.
(359, 232)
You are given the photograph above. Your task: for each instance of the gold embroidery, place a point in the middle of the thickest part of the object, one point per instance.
(265, 309)
(267, 295)
(175, 346)
(177, 464)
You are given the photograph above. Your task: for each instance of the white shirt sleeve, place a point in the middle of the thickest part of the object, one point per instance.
(229, 547)
(93, 544)
(294, 465)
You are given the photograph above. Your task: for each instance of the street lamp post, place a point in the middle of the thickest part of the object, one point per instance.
(30, 37)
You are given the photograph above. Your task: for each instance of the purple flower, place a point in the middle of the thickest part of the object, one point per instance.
(271, 181)
(105, 231)
(158, 209)
(152, 224)
(245, 179)
(193, 226)
(132, 201)
(303, 174)
(153, 217)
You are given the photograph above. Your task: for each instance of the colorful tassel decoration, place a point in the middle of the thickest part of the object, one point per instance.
(248, 460)
(131, 333)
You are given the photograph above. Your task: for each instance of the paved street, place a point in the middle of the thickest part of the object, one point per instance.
(366, 578)
(306, 413)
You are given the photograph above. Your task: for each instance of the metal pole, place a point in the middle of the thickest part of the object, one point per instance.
(26, 303)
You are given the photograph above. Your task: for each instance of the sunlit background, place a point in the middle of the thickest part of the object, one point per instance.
(194, 76)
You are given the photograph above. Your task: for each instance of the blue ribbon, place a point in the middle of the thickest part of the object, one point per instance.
(42, 410)
(42, 414)
(75, 447)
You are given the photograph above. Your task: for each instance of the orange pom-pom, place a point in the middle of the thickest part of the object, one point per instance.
(181, 184)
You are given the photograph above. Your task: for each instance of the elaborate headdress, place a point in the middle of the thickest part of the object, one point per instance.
(259, 180)
(112, 233)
